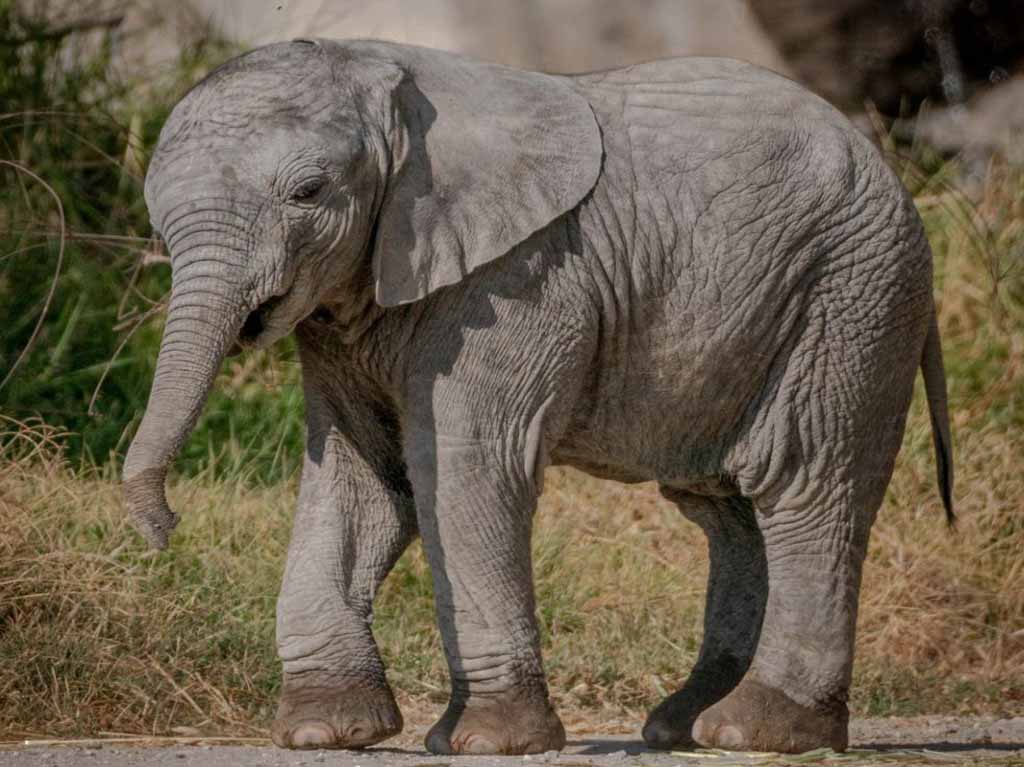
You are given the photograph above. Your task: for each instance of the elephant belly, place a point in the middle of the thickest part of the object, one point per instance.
(667, 410)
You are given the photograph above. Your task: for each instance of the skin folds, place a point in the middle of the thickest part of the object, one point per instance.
(691, 271)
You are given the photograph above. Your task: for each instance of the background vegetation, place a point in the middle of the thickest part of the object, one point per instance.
(99, 635)
(73, 143)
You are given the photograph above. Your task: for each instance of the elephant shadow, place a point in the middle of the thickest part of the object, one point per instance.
(606, 746)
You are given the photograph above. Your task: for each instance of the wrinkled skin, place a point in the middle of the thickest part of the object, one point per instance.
(690, 271)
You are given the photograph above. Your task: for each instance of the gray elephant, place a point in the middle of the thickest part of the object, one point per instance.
(691, 271)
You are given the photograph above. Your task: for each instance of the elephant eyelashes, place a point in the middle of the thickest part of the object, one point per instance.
(309, 190)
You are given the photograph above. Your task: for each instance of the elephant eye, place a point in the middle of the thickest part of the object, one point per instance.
(308, 190)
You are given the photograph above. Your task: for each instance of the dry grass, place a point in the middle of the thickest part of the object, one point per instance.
(97, 635)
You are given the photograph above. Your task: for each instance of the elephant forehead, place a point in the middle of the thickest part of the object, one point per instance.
(235, 107)
(272, 86)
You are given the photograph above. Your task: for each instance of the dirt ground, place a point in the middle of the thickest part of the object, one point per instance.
(917, 741)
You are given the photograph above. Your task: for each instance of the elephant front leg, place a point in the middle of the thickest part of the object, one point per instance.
(351, 527)
(475, 510)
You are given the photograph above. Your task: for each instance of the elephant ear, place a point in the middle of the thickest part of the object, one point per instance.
(488, 156)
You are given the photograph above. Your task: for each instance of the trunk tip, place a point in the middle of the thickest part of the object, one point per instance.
(147, 506)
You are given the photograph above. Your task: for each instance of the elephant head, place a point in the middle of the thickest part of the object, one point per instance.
(305, 173)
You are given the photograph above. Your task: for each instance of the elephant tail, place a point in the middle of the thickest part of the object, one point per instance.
(935, 388)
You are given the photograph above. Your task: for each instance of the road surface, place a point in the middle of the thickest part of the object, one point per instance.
(905, 742)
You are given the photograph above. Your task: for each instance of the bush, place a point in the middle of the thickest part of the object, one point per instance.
(80, 290)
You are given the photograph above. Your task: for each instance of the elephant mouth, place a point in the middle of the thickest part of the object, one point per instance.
(254, 326)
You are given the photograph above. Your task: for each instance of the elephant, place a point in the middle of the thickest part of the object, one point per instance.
(691, 271)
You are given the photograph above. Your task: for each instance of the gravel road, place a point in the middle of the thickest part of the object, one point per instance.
(905, 742)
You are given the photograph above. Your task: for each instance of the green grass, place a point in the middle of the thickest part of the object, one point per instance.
(70, 129)
(99, 635)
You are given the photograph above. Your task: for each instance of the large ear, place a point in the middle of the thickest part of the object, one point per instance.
(488, 156)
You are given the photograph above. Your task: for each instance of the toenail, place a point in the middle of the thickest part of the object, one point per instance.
(658, 735)
(312, 735)
(358, 733)
(476, 744)
(730, 738)
(697, 732)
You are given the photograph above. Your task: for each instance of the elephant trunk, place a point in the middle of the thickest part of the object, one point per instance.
(203, 321)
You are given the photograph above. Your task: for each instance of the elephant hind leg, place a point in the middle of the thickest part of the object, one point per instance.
(793, 696)
(736, 595)
(816, 467)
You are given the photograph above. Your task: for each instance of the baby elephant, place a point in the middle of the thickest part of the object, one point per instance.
(691, 271)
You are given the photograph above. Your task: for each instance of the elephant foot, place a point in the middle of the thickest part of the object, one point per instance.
(755, 717)
(669, 725)
(497, 726)
(335, 717)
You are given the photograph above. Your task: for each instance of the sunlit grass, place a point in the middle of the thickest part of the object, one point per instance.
(99, 635)
(96, 634)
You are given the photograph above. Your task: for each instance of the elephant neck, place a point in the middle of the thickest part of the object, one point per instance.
(357, 331)
(353, 314)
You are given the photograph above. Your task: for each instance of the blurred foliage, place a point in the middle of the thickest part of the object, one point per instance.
(101, 636)
(72, 129)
